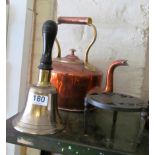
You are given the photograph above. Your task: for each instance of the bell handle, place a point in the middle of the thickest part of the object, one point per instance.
(49, 31)
(83, 21)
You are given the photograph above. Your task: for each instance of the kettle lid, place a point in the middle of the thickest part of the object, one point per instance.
(70, 59)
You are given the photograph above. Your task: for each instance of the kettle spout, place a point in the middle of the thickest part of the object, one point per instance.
(109, 76)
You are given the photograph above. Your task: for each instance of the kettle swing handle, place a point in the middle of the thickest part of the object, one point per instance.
(82, 21)
(75, 20)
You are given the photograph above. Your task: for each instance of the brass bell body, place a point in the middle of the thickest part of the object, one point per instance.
(40, 115)
(39, 119)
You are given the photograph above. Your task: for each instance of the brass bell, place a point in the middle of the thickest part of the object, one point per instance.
(40, 115)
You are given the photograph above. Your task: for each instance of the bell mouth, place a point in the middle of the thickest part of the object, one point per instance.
(39, 116)
(24, 127)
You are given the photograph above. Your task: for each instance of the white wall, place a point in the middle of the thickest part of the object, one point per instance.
(17, 58)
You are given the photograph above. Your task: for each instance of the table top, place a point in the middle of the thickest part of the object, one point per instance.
(73, 141)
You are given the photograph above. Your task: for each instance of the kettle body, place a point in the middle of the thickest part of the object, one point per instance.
(72, 77)
(73, 81)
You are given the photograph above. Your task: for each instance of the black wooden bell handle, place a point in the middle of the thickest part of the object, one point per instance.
(49, 31)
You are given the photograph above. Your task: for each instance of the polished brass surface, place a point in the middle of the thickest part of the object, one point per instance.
(40, 118)
(89, 20)
(91, 43)
(90, 67)
(58, 48)
(87, 64)
(44, 78)
(23, 150)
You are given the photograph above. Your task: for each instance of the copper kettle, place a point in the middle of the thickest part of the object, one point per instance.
(73, 77)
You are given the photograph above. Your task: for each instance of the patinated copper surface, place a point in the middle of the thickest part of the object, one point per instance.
(73, 81)
(75, 20)
(109, 78)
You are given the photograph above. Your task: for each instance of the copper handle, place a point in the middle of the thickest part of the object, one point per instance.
(75, 20)
(83, 21)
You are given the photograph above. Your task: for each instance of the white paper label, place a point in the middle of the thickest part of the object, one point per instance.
(38, 99)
